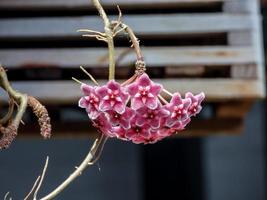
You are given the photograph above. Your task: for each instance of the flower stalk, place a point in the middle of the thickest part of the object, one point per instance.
(109, 38)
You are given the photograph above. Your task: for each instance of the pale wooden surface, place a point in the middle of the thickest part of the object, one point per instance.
(77, 3)
(142, 24)
(154, 56)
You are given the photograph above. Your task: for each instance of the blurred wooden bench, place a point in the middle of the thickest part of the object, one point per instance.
(189, 45)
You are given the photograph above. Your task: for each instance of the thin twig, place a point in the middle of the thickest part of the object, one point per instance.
(78, 171)
(18, 97)
(167, 92)
(33, 188)
(109, 37)
(162, 99)
(134, 41)
(119, 18)
(41, 180)
(8, 116)
(130, 80)
(92, 31)
(96, 36)
(117, 32)
(6, 195)
(99, 149)
(76, 80)
(10, 132)
(88, 74)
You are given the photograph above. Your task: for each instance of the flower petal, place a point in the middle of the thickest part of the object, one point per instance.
(125, 124)
(83, 103)
(86, 89)
(132, 89)
(155, 123)
(144, 80)
(119, 108)
(102, 91)
(152, 103)
(136, 103)
(103, 106)
(155, 89)
(113, 85)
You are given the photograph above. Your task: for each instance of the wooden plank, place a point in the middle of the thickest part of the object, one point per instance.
(242, 71)
(142, 24)
(107, 3)
(68, 92)
(240, 38)
(216, 126)
(154, 56)
(242, 6)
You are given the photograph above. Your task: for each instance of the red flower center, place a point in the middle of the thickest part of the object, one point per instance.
(193, 107)
(179, 111)
(137, 129)
(93, 100)
(143, 91)
(117, 116)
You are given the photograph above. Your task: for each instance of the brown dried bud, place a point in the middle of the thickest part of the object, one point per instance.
(43, 118)
(9, 133)
(140, 67)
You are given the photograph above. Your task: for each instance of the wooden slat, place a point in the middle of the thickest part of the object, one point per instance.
(64, 92)
(248, 71)
(241, 6)
(79, 3)
(142, 24)
(155, 56)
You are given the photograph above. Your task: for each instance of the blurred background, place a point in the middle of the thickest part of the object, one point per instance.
(215, 46)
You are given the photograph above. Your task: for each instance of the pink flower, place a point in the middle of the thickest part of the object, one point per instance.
(113, 97)
(146, 120)
(151, 117)
(122, 120)
(144, 93)
(196, 101)
(138, 134)
(154, 137)
(178, 108)
(119, 132)
(102, 123)
(90, 101)
(164, 132)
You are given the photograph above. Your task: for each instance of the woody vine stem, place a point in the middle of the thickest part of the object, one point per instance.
(111, 29)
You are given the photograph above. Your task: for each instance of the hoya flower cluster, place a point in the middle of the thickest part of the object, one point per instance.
(135, 113)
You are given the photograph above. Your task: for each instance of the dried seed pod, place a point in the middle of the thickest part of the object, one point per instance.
(9, 134)
(43, 118)
(140, 67)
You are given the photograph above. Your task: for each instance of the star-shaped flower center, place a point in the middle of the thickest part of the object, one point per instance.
(144, 93)
(117, 116)
(113, 96)
(93, 100)
(178, 111)
(150, 114)
(193, 108)
(137, 129)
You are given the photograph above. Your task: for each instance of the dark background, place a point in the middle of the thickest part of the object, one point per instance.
(216, 167)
